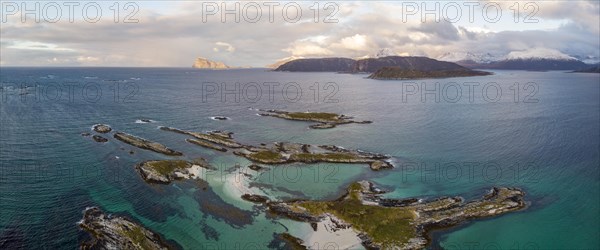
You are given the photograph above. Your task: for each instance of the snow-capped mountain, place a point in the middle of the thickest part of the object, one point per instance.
(380, 53)
(589, 59)
(467, 56)
(538, 59)
(539, 53)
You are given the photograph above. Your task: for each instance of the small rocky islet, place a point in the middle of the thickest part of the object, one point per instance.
(102, 128)
(324, 120)
(145, 144)
(166, 171)
(114, 232)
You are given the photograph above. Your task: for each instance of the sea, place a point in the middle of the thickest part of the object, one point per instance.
(538, 131)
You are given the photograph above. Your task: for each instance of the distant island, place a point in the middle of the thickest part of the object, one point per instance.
(536, 59)
(334, 64)
(203, 63)
(389, 67)
(595, 69)
(532, 64)
(393, 73)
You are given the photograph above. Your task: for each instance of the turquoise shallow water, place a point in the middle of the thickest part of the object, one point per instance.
(49, 173)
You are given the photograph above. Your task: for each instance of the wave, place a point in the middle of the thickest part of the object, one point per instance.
(144, 121)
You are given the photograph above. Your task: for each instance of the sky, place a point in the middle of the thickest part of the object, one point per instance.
(174, 33)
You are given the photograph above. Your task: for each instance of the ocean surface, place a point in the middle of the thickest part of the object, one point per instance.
(538, 131)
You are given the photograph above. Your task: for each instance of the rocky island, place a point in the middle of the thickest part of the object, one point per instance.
(397, 73)
(335, 64)
(324, 120)
(203, 63)
(206, 145)
(285, 152)
(387, 67)
(145, 144)
(396, 224)
(102, 128)
(112, 232)
(222, 138)
(166, 171)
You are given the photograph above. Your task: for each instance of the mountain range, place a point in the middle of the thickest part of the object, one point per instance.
(534, 59)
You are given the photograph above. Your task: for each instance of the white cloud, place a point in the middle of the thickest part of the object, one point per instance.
(356, 42)
(228, 47)
(363, 29)
(307, 49)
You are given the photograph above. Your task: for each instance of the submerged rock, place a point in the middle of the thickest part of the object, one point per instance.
(289, 242)
(98, 138)
(255, 167)
(255, 198)
(220, 118)
(111, 232)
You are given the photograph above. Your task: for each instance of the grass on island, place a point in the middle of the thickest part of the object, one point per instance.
(386, 226)
(323, 157)
(314, 116)
(138, 237)
(166, 167)
(266, 156)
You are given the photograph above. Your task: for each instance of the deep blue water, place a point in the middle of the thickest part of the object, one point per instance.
(544, 140)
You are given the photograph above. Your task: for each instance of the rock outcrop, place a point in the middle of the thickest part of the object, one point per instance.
(102, 128)
(203, 63)
(112, 232)
(166, 171)
(145, 144)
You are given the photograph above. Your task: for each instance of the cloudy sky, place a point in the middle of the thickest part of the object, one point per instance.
(174, 33)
